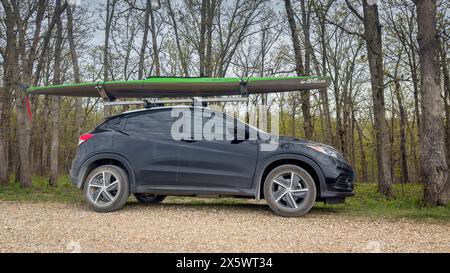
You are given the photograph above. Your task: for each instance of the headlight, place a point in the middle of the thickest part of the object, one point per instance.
(325, 150)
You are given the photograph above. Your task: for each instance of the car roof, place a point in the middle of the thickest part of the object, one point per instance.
(126, 113)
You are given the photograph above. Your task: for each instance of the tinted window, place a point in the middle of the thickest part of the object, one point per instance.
(152, 121)
(114, 123)
(213, 124)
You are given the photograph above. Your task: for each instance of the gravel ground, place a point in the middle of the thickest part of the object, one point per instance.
(54, 227)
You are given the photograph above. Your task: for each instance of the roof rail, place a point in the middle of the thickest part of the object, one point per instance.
(151, 103)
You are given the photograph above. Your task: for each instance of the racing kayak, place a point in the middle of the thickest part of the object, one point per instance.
(182, 87)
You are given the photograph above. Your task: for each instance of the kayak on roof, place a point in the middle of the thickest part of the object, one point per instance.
(182, 87)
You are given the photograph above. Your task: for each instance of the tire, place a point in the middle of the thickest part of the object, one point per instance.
(102, 197)
(278, 194)
(147, 198)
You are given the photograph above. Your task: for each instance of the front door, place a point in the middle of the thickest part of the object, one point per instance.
(213, 160)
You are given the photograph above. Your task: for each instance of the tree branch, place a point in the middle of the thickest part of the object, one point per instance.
(352, 9)
(346, 30)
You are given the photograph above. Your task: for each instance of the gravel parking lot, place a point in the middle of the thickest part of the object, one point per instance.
(57, 227)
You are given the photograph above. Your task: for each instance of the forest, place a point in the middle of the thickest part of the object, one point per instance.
(387, 109)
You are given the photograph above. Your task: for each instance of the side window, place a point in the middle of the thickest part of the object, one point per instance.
(114, 123)
(213, 124)
(156, 122)
(235, 128)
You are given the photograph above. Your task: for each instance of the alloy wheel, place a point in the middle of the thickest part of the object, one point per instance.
(103, 188)
(289, 190)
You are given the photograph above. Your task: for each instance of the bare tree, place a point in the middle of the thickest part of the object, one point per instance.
(373, 38)
(10, 62)
(181, 54)
(54, 148)
(16, 49)
(321, 11)
(434, 168)
(110, 10)
(446, 75)
(76, 68)
(155, 48)
(300, 68)
(144, 38)
(403, 121)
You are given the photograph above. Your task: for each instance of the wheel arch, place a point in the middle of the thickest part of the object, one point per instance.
(294, 159)
(106, 159)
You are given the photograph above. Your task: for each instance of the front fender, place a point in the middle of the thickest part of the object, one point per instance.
(257, 180)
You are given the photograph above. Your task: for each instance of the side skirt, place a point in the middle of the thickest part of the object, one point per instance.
(193, 191)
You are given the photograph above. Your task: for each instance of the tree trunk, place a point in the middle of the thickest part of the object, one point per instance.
(337, 139)
(434, 168)
(445, 72)
(23, 171)
(321, 13)
(362, 153)
(413, 154)
(10, 60)
(202, 42)
(110, 8)
(148, 7)
(415, 79)
(54, 148)
(76, 69)
(211, 8)
(305, 95)
(299, 68)
(372, 28)
(403, 122)
(154, 42)
(181, 56)
(44, 137)
(4, 175)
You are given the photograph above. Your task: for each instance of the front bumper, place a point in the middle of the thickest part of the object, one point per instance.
(339, 181)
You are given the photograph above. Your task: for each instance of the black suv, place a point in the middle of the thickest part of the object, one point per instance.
(141, 152)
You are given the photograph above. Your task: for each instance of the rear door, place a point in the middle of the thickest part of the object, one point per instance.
(147, 143)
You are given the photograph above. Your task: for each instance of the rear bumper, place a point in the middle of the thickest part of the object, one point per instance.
(75, 180)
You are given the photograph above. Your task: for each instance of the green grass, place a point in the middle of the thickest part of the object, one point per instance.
(367, 201)
(406, 204)
(40, 191)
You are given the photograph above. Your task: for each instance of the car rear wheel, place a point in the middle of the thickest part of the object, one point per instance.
(148, 198)
(107, 188)
(290, 190)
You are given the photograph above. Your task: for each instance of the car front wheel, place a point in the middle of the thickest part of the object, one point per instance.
(107, 188)
(290, 191)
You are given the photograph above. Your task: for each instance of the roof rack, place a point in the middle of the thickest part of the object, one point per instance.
(196, 101)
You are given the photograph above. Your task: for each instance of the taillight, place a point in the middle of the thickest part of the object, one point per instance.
(84, 138)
